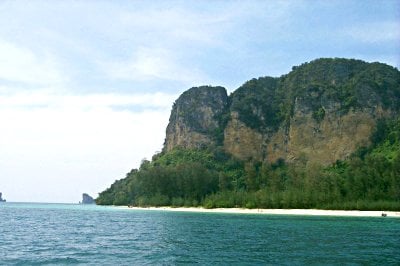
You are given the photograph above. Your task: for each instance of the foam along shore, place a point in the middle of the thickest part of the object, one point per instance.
(313, 212)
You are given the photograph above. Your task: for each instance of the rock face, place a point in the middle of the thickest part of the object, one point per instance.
(321, 112)
(195, 119)
(1, 198)
(86, 199)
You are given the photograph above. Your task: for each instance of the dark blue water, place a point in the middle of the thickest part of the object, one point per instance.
(56, 234)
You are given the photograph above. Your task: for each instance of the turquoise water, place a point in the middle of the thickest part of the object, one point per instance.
(60, 234)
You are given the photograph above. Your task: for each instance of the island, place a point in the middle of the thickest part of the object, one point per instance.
(86, 199)
(1, 198)
(326, 135)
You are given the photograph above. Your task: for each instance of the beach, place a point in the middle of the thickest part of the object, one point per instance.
(311, 212)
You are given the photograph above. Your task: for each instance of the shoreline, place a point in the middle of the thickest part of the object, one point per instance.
(301, 212)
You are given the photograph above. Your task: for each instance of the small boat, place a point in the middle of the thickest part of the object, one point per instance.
(384, 214)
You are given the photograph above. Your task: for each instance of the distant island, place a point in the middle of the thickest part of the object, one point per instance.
(1, 198)
(86, 199)
(326, 135)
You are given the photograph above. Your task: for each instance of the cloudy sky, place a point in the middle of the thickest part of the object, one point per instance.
(86, 87)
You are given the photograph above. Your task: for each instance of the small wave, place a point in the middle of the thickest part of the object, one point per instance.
(52, 261)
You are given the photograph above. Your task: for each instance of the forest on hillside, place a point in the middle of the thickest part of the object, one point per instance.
(203, 173)
(367, 180)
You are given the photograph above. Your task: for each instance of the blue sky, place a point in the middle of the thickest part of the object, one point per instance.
(86, 87)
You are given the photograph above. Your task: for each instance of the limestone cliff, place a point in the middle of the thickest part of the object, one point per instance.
(86, 199)
(321, 111)
(195, 119)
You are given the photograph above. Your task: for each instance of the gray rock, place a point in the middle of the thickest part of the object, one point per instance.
(1, 199)
(86, 199)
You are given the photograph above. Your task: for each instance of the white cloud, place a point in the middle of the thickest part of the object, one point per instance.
(157, 63)
(47, 100)
(75, 144)
(19, 64)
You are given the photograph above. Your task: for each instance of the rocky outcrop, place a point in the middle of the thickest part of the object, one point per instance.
(196, 118)
(86, 199)
(242, 141)
(1, 198)
(321, 112)
(334, 138)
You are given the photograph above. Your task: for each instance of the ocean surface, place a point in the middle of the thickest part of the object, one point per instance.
(68, 234)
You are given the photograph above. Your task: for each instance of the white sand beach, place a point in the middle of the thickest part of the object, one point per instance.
(312, 212)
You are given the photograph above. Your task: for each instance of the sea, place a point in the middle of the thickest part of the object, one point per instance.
(72, 234)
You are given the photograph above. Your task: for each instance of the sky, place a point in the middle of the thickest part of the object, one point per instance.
(86, 87)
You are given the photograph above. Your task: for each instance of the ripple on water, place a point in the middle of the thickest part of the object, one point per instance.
(51, 234)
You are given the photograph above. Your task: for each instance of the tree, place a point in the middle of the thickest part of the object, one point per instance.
(251, 181)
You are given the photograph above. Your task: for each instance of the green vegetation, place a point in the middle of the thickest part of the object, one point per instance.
(319, 114)
(180, 177)
(368, 180)
(266, 103)
(256, 103)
